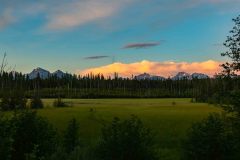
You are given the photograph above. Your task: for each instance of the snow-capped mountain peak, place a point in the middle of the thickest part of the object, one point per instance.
(146, 76)
(181, 75)
(42, 73)
(199, 76)
(143, 76)
(58, 74)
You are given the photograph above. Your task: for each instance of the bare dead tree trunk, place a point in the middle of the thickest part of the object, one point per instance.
(4, 63)
(2, 69)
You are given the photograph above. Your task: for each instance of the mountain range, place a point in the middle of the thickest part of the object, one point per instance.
(44, 74)
(145, 76)
(178, 76)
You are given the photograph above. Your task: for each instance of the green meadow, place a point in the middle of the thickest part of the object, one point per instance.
(169, 119)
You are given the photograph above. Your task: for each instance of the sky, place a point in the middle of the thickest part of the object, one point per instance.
(160, 37)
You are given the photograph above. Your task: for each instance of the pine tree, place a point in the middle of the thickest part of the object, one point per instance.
(71, 136)
(233, 45)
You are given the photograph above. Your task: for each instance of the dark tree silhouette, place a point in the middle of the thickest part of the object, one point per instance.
(6, 132)
(233, 45)
(33, 134)
(36, 103)
(210, 139)
(71, 137)
(126, 140)
(14, 99)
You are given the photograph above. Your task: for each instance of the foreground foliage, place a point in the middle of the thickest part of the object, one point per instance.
(26, 134)
(211, 139)
(13, 100)
(126, 140)
(36, 103)
(6, 141)
(59, 103)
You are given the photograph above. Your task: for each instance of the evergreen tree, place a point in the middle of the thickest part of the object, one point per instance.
(13, 100)
(233, 45)
(126, 140)
(33, 134)
(71, 136)
(59, 103)
(36, 103)
(6, 132)
(210, 139)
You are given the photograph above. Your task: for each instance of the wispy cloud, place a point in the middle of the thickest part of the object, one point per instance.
(63, 14)
(141, 45)
(70, 14)
(165, 69)
(82, 12)
(96, 57)
(6, 18)
(15, 11)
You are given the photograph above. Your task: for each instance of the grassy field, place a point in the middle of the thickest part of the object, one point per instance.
(168, 118)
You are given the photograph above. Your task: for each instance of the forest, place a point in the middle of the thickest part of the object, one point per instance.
(212, 90)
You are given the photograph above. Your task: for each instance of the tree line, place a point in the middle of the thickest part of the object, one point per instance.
(98, 86)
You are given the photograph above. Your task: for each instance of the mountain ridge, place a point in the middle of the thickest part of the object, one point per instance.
(44, 74)
(178, 76)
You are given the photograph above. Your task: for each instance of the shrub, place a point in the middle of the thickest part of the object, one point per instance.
(6, 132)
(126, 140)
(233, 105)
(209, 140)
(13, 100)
(33, 135)
(59, 103)
(36, 103)
(71, 139)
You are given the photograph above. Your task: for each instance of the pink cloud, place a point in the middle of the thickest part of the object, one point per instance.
(165, 69)
(6, 18)
(82, 12)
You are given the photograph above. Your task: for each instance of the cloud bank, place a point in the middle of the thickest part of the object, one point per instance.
(165, 69)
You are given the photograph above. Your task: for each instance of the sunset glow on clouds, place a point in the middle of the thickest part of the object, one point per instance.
(165, 69)
(81, 12)
(79, 34)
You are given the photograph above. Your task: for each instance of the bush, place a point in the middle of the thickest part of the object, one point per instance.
(71, 139)
(76, 154)
(126, 140)
(233, 105)
(210, 140)
(13, 100)
(6, 132)
(36, 103)
(70, 148)
(59, 103)
(33, 135)
(26, 136)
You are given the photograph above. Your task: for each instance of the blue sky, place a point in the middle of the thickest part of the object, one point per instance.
(74, 35)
